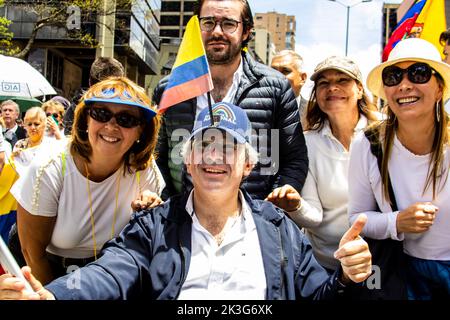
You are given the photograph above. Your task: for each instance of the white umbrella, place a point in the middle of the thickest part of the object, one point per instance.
(18, 78)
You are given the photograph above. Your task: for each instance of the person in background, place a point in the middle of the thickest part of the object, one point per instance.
(444, 39)
(101, 69)
(35, 121)
(414, 174)
(214, 242)
(72, 202)
(55, 113)
(12, 131)
(339, 109)
(290, 63)
(264, 94)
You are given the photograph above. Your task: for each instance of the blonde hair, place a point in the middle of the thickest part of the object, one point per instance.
(35, 112)
(53, 104)
(140, 154)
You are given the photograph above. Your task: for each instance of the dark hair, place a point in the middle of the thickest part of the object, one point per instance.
(246, 16)
(104, 67)
(445, 37)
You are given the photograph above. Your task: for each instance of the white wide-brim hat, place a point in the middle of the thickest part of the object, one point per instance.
(411, 49)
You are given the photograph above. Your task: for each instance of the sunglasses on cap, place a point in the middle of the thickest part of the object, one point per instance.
(417, 73)
(123, 119)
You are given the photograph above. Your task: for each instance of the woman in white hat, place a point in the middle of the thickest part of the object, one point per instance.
(415, 161)
(74, 202)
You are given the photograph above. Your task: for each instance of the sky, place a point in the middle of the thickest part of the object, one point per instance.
(321, 30)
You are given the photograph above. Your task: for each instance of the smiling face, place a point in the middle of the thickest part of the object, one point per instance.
(222, 47)
(217, 165)
(108, 138)
(337, 92)
(412, 101)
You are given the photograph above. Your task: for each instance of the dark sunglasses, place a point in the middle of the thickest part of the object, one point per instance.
(417, 73)
(123, 119)
(56, 115)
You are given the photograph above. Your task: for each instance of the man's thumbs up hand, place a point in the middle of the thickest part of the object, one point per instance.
(354, 254)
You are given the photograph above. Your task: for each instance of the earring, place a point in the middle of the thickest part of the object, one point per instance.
(137, 141)
(438, 112)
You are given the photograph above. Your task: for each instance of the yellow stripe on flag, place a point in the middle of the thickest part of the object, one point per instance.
(432, 20)
(191, 46)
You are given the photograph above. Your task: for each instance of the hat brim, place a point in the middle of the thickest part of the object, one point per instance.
(148, 113)
(375, 81)
(316, 74)
(239, 139)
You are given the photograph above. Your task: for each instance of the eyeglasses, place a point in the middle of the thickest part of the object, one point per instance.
(123, 119)
(227, 25)
(417, 73)
(56, 115)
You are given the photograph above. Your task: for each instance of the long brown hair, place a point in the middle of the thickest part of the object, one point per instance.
(387, 128)
(140, 154)
(315, 117)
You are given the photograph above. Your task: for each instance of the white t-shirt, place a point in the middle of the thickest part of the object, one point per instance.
(408, 174)
(43, 191)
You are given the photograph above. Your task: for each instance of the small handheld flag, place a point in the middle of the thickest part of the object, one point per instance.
(190, 76)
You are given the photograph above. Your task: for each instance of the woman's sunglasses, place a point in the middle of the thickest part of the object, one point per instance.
(417, 73)
(56, 115)
(123, 119)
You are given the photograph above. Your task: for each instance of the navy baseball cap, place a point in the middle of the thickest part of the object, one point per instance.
(226, 117)
(109, 95)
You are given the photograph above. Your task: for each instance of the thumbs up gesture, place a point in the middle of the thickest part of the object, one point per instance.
(354, 254)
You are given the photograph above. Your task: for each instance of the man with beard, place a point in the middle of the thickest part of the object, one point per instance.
(264, 94)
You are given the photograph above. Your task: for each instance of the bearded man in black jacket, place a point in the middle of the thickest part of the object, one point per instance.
(265, 95)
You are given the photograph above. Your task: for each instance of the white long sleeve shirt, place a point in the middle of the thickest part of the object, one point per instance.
(408, 174)
(323, 210)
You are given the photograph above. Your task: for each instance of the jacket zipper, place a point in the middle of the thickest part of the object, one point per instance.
(183, 269)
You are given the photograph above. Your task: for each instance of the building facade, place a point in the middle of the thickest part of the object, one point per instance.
(262, 46)
(132, 38)
(282, 27)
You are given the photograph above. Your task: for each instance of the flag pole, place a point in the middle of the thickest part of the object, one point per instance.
(210, 108)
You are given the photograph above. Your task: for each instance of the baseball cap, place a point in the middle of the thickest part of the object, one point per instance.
(110, 96)
(227, 117)
(342, 64)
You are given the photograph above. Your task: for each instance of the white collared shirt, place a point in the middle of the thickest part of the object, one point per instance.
(233, 270)
(202, 101)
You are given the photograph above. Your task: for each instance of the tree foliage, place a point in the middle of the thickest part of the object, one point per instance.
(58, 13)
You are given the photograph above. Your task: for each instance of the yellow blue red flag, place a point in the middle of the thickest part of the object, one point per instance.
(425, 19)
(190, 76)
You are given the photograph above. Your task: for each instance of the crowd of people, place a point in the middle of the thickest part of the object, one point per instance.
(349, 189)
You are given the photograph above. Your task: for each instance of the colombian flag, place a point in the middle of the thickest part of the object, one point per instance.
(190, 76)
(425, 19)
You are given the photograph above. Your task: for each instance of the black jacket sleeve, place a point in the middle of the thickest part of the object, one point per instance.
(293, 154)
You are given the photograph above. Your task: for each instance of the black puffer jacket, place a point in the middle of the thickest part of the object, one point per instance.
(269, 101)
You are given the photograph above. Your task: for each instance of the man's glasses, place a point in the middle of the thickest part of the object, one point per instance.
(56, 115)
(417, 73)
(227, 25)
(123, 119)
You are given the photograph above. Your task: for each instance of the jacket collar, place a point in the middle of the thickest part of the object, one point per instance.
(177, 211)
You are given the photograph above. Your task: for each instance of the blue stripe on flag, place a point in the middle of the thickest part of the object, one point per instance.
(188, 71)
(6, 222)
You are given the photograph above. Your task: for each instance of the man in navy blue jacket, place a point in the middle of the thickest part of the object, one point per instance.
(215, 242)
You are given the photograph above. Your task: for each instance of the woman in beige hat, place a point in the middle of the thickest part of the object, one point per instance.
(414, 84)
(338, 109)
